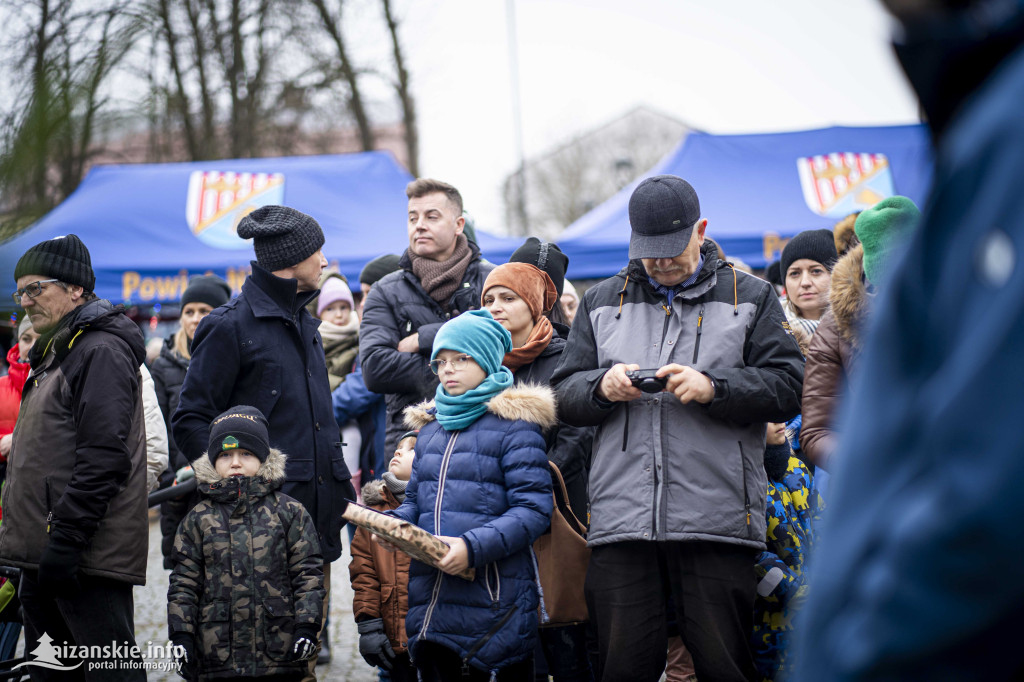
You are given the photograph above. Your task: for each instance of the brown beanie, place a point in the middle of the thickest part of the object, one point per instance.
(529, 282)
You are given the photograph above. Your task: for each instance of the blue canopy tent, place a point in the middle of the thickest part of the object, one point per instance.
(758, 190)
(149, 227)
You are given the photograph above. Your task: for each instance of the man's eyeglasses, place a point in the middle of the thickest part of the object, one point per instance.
(458, 363)
(32, 290)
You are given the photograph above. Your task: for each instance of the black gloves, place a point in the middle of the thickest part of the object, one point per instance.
(58, 566)
(304, 642)
(185, 656)
(374, 645)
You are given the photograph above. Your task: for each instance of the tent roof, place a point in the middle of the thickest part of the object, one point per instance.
(139, 221)
(753, 194)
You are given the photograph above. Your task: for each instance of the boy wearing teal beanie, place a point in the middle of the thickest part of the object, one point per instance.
(480, 481)
(882, 229)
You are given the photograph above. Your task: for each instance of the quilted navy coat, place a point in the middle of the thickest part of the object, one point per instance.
(488, 484)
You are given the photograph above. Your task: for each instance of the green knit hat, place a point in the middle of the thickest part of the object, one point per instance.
(882, 229)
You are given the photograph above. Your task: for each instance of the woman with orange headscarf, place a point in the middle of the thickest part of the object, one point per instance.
(520, 297)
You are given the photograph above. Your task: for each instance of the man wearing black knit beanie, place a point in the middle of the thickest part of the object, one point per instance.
(263, 349)
(76, 488)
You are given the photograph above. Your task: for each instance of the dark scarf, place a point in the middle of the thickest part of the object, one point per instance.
(440, 279)
(538, 340)
(776, 461)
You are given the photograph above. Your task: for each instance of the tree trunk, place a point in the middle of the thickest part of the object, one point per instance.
(412, 133)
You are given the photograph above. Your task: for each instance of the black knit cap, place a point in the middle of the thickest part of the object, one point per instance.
(240, 428)
(816, 245)
(64, 258)
(773, 273)
(546, 256)
(378, 268)
(281, 236)
(208, 289)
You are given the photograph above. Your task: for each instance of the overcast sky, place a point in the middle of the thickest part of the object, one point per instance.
(728, 66)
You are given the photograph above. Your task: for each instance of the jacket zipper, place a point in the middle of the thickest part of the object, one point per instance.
(437, 526)
(700, 323)
(746, 495)
(479, 644)
(49, 505)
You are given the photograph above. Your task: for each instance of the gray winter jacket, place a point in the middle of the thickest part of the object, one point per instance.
(662, 470)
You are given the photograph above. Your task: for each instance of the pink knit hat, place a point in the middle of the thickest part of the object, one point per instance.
(334, 289)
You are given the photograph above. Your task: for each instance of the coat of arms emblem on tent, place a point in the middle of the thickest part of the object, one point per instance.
(218, 201)
(836, 185)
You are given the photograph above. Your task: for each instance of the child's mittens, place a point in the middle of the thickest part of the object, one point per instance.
(304, 643)
(374, 645)
(185, 656)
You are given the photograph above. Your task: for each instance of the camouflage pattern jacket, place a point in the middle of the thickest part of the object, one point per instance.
(792, 511)
(247, 571)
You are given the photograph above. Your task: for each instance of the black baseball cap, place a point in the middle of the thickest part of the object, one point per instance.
(662, 212)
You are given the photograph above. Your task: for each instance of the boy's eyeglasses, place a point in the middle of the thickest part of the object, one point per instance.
(32, 290)
(458, 363)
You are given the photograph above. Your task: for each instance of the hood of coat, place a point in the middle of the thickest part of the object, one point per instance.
(168, 353)
(96, 315)
(16, 369)
(375, 492)
(530, 402)
(268, 478)
(849, 297)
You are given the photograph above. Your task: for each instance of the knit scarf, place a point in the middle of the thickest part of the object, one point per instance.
(535, 344)
(440, 279)
(333, 333)
(456, 412)
(395, 485)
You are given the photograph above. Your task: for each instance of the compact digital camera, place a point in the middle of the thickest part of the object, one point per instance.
(645, 380)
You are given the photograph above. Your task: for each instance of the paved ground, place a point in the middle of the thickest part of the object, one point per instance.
(151, 618)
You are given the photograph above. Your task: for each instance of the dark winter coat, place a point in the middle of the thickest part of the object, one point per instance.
(380, 579)
(79, 452)
(831, 355)
(916, 574)
(568, 446)
(396, 307)
(247, 572)
(168, 372)
(695, 469)
(263, 349)
(352, 400)
(793, 510)
(490, 485)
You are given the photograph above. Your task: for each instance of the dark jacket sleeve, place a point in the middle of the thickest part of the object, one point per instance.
(209, 381)
(823, 380)
(186, 580)
(168, 403)
(305, 568)
(352, 398)
(105, 389)
(577, 376)
(385, 368)
(767, 388)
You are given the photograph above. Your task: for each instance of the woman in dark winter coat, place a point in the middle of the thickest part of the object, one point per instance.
(519, 295)
(480, 480)
(203, 294)
(833, 350)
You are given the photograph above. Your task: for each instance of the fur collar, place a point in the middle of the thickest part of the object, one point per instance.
(849, 297)
(373, 492)
(530, 402)
(271, 471)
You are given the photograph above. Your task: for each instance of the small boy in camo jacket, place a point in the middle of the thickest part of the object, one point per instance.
(246, 594)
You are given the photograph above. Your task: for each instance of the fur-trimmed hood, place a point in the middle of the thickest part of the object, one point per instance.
(530, 402)
(271, 471)
(849, 297)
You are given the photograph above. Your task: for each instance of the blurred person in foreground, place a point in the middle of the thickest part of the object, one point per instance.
(916, 574)
(677, 488)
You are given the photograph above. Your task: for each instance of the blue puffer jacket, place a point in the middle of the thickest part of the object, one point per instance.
(488, 484)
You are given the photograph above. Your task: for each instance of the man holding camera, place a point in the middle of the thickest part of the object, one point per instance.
(677, 483)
